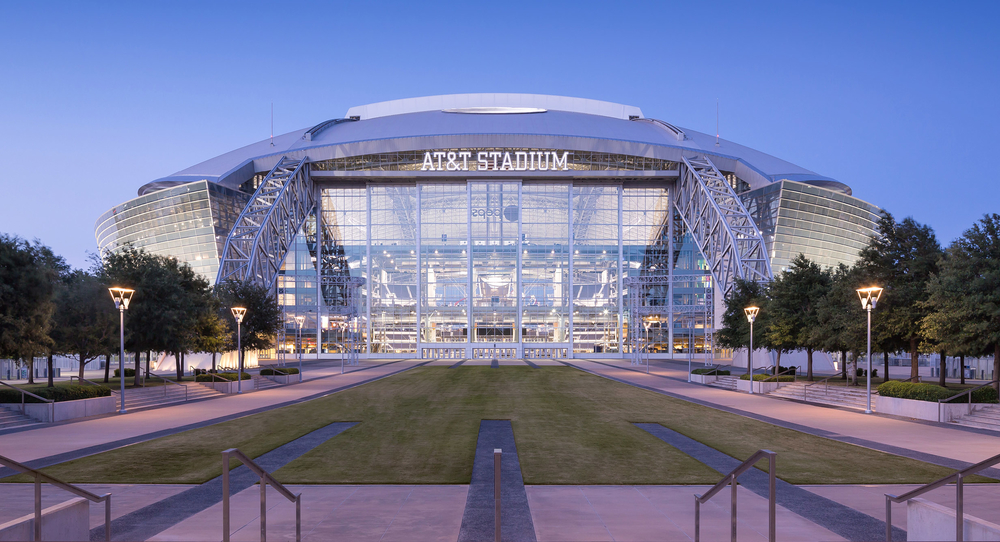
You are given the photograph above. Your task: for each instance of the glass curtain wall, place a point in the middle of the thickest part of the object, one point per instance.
(645, 247)
(444, 263)
(545, 263)
(345, 248)
(595, 269)
(494, 232)
(393, 269)
(297, 294)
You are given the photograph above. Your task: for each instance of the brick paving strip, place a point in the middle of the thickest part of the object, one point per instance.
(150, 520)
(846, 522)
(43, 462)
(478, 520)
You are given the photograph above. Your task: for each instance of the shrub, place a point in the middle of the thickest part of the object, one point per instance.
(129, 373)
(862, 373)
(59, 393)
(268, 371)
(791, 369)
(702, 371)
(932, 392)
(226, 376)
(759, 378)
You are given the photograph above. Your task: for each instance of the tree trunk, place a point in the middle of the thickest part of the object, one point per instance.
(213, 362)
(138, 371)
(48, 366)
(180, 369)
(961, 368)
(914, 361)
(82, 365)
(148, 354)
(107, 368)
(777, 363)
(809, 364)
(943, 370)
(996, 366)
(885, 366)
(843, 364)
(30, 362)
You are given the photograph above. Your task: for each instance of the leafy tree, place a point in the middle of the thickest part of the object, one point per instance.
(901, 258)
(263, 317)
(839, 328)
(27, 286)
(213, 334)
(735, 332)
(965, 294)
(793, 307)
(86, 323)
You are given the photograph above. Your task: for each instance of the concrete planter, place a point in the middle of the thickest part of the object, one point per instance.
(758, 387)
(283, 379)
(229, 387)
(704, 379)
(923, 410)
(67, 410)
(926, 520)
(67, 521)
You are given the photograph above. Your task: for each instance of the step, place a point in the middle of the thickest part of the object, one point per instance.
(13, 418)
(966, 422)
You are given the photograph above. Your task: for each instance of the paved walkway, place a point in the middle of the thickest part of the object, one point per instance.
(52, 444)
(937, 443)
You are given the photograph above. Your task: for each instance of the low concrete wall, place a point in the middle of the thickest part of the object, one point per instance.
(67, 410)
(926, 521)
(229, 387)
(704, 379)
(758, 387)
(68, 521)
(283, 379)
(923, 410)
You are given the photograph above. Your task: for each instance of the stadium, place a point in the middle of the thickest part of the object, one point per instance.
(494, 225)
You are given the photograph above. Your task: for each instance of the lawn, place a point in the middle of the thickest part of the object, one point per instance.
(421, 426)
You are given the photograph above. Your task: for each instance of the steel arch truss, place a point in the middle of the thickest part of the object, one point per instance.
(721, 226)
(259, 242)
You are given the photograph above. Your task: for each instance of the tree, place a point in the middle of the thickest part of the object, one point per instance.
(263, 317)
(735, 332)
(901, 258)
(214, 334)
(86, 323)
(27, 286)
(839, 328)
(965, 294)
(794, 308)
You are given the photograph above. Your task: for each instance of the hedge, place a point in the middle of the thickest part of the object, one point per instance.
(932, 392)
(129, 373)
(268, 371)
(702, 371)
(226, 376)
(758, 378)
(58, 394)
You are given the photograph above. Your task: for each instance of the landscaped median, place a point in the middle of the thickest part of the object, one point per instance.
(759, 384)
(706, 375)
(70, 402)
(281, 375)
(922, 401)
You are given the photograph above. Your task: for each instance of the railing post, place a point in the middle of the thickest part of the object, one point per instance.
(732, 520)
(697, 519)
(298, 518)
(888, 519)
(497, 453)
(772, 497)
(225, 496)
(38, 506)
(959, 509)
(263, 508)
(107, 518)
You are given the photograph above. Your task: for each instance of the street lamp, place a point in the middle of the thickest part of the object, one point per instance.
(869, 298)
(299, 320)
(238, 313)
(751, 313)
(122, 297)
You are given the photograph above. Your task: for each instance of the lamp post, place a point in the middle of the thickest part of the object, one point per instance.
(299, 320)
(238, 313)
(869, 298)
(122, 297)
(751, 313)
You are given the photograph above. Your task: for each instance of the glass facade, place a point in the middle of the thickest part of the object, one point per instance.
(189, 222)
(829, 227)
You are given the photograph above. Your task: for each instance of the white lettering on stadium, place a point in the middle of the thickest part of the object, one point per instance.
(496, 161)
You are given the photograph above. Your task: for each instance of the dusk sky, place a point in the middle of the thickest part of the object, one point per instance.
(898, 100)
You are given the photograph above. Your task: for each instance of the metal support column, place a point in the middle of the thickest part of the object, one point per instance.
(519, 340)
(569, 297)
(420, 272)
(621, 256)
(470, 335)
(671, 193)
(319, 270)
(371, 281)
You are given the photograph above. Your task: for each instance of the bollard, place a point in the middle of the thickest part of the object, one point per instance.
(497, 452)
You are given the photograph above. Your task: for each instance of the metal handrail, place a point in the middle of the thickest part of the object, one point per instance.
(265, 478)
(958, 477)
(794, 370)
(52, 402)
(731, 479)
(92, 383)
(966, 392)
(826, 388)
(149, 374)
(40, 477)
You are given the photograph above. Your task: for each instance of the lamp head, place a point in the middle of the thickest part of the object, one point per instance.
(238, 313)
(751, 313)
(122, 296)
(869, 296)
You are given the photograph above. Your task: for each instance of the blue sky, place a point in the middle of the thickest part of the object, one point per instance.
(896, 99)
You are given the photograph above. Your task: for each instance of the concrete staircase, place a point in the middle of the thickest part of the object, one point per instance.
(986, 418)
(263, 382)
(13, 418)
(843, 396)
(139, 398)
(726, 382)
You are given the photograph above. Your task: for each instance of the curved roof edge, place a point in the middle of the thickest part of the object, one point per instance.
(460, 101)
(172, 181)
(816, 180)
